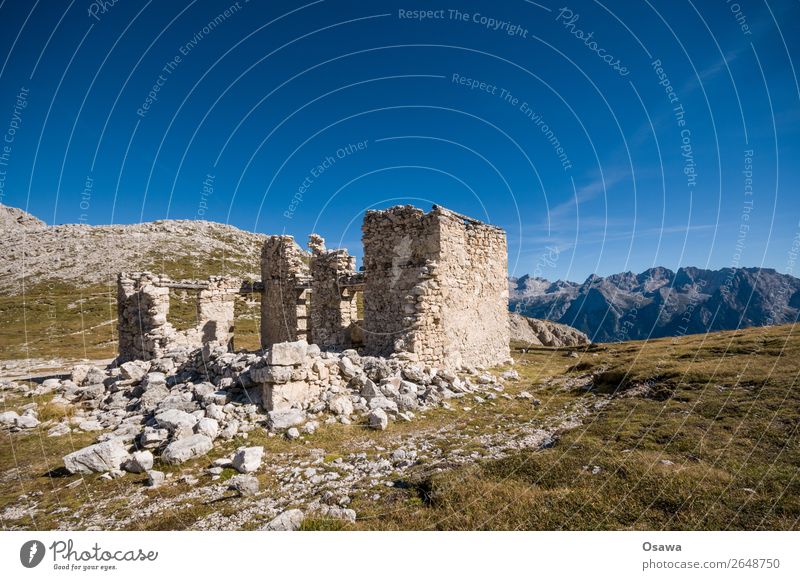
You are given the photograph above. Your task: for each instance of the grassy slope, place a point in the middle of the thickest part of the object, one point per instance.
(723, 408)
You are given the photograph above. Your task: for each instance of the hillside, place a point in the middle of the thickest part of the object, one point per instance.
(82, 255)
(659, 302)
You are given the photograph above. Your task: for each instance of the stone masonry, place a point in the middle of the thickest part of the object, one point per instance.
(435, 287)
(143, 306)
(286, 279)
(333, 302)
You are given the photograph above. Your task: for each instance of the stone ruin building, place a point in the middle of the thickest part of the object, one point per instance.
(433, 289)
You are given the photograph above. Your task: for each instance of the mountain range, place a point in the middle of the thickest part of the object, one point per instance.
(659, 302)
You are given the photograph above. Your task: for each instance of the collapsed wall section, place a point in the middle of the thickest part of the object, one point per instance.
(142, 307)
(284, 301)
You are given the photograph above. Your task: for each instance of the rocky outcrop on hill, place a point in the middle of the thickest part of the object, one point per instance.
(81, 255)
(660, 302)
(14, 221)
(535, 332)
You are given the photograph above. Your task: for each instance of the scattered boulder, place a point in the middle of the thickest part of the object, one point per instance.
(246, 485)
(341, 405)
(134, 370)
(8, 418)
(26, 421)
(280, 420)
(87, 375)
(187, 448)
(288, 521)
(155, 478)
(151, 437)
(140, 462)
(287, 353)
(154, 379)
(414, 374)
(338, 513)
(58, 430)
(378, 419)
(383, 403)
(248, 459)
(174, 419)
(208, 427)
(347, 368)
(49, 385)
(97, 458)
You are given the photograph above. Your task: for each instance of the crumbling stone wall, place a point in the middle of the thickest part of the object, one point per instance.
(435, 287)
(400, 250)
(143, 307)
(333, 304)
(472, 276)
(215, 312)
(284, 302)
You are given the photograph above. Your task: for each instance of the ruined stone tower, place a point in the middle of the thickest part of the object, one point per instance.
(435, 287)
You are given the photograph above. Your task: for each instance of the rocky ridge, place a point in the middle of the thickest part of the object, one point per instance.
(535, 332)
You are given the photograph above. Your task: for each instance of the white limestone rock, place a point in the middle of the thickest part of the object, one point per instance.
(347, 369)
(248, 459)
(383, 403)
(140, 462)
(26, 421)
(8, 418)
(175, 419)
(287, 353)
(280, 420)
(208, 427)
(341, 405)
(288, 521)
(246, 485)
(134, 370)
(378, 419)
(153, 437)
(97, 458)
(155, 478)
(187, 448)
(58, 430)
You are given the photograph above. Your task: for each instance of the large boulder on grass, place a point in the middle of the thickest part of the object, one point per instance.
(187, 448)
(99, 458)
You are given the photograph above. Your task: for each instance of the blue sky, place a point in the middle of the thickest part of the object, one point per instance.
(557, 121)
